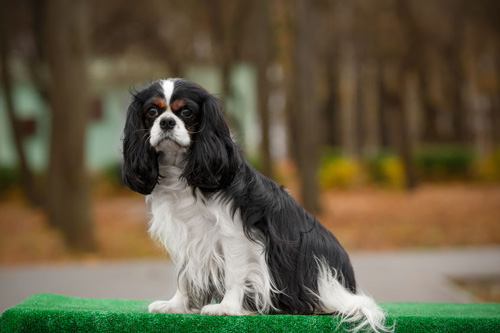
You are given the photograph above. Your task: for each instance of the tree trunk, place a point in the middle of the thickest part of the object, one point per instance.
(411, 62)
(348, 97)
(330, 112)
(430, 130)
(396, 116)
(480, 103)
(306, 115)
(263, 87)
(371, 105)
(27, 180)
(406, 138)
(36, 61)
(348, 100)
(461, 133)
(496, 106)
(68, 197)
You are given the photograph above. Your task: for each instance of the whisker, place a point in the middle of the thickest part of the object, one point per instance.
(139, 130)
(199, 131)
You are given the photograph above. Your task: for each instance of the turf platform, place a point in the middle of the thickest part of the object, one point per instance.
(56, 313)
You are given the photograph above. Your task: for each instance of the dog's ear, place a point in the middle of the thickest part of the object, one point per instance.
(140, 160)
(214, 158)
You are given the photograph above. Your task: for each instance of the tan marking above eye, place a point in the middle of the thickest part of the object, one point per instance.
(160, 102)
(177, 104)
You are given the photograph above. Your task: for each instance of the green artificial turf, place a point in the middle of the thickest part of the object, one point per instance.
(55, 313)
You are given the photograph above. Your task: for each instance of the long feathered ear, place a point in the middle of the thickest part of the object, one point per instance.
(214, 158)
(140, 165)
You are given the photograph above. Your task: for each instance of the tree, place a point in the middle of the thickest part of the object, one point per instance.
(348, 83)
(308, 136)
(410, 62)
(226, 20)
(262, 64)
(27, 179)
(66, 48)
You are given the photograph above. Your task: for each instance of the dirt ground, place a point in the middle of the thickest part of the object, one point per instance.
(362, 219)
(431, 216)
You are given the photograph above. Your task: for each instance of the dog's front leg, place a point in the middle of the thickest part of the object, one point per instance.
(235, 270)
(177, 304)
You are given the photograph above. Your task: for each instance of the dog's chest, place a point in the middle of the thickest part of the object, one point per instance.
(188, 226)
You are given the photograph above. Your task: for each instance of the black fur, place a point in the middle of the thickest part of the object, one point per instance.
(140, 160)
(293, 239)
(213, 159)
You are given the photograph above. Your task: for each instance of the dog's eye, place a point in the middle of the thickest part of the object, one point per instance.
(152, 112)
(186, 113)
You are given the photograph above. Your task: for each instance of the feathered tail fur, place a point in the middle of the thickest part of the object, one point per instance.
(358, 309)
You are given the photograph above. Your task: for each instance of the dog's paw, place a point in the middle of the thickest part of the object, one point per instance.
(169, 307)
(223, 310)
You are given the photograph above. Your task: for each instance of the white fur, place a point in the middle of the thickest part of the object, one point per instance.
(161, 139)
(354, 308)
(178, 134)
(168, 88)
(207, 245)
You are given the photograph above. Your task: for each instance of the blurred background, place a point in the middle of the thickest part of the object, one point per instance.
(381, 117)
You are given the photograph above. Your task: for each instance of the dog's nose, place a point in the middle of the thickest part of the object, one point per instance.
(167, 123)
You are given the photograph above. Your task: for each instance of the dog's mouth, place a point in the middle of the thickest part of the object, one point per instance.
(168, 141)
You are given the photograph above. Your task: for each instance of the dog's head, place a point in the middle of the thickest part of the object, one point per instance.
(175, 117)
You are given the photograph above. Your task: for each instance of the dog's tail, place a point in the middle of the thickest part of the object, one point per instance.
(359, 310)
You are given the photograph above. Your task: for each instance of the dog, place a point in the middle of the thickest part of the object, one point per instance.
(241, 244)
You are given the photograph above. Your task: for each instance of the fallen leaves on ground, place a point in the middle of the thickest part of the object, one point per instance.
(362, 219)
(430, 216)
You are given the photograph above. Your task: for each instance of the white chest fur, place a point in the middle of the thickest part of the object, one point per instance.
(189, 229)
(206, 243)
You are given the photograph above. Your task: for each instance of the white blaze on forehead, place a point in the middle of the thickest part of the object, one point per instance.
(168, 89)
(178, 134)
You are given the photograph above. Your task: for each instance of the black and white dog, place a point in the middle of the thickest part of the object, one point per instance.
(240, 242)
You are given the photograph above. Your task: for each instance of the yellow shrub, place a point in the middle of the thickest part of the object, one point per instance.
(339, 172)
(392, 172)
(488, 167)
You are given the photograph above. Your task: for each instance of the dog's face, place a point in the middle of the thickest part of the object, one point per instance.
(177, 116)
(170, 116)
